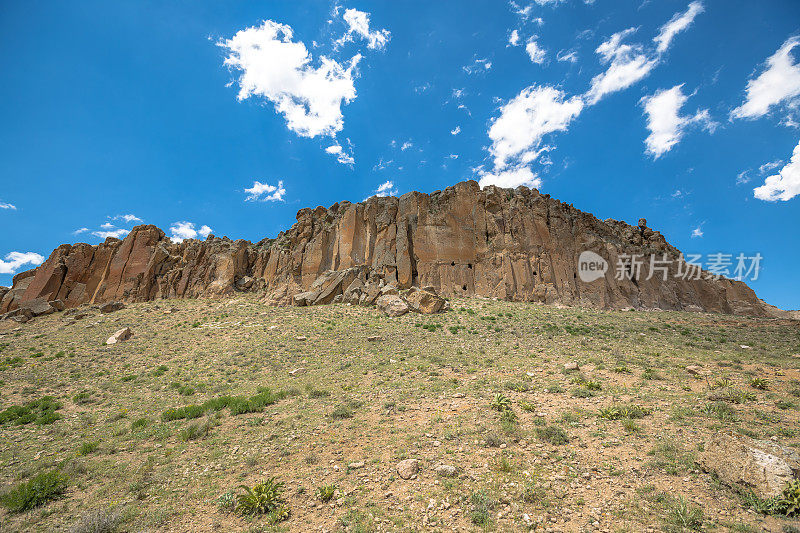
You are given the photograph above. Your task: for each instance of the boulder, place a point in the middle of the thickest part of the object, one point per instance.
(120, 336)
(57, 304)
(763, 466)
(424, 301)
(110, 307)
(304, 298)
(245, 282)
(392, 305)
(38, 307)
(694, 370)
(408, 468)
(571, 366)
(388, 290)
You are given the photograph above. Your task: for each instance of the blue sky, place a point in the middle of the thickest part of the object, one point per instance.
(229, 117)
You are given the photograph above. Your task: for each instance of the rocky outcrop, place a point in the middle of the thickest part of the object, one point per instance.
(762, 466)
(463, 241)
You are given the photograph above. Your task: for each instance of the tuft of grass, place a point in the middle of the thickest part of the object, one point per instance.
(759, 383)
(197, 430)
(342, 412)
(618, 412)
(552, 434)
(684, 515)
(40, 489)
(140, 423)
(102, 520)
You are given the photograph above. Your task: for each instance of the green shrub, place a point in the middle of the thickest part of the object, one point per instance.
(42, 488)
(82, 397)
(759, 383)
(341, 412)
(40, 412)
(88, 447)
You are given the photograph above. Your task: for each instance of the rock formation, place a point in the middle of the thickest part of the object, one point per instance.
(512, 244)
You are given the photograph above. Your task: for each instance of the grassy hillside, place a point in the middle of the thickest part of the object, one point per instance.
(157, 433)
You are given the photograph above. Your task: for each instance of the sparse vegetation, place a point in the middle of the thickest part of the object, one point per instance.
(37, 491)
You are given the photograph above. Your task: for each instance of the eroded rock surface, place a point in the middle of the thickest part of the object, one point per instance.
(763, 466)
(463, 241)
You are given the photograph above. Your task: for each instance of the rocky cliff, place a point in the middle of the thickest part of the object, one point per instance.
(463, 241)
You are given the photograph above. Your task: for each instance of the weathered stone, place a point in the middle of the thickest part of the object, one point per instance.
(392, 305)
(763, 466)
(374, 338)
(446, 470)
(356, 465)
(571, 366)
(510, 244)
(423, 301)
(111, 307)
(120, 336)
(38, 307)
(408, 468)
(304, 298)
(694, 370)
(58, 305)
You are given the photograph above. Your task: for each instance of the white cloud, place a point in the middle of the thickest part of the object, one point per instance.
(14, 260)
(518, 132)
(536, 53)
(665, 122)
(513, 39)
(697, 232)
(406, 146)
(341, 156)
(107, 225)
(80, 230)
(186, 230)
(4, 205)
(511, 178)
(358, 24)
(117, 233)
(455, 131)
(779, 83)
(478, 66)
(386, 188)
(453, 156)
(274, 67)
(567, 55)
(127, 218)
(678, 23)
(784, 185)
(627, 65)
(263, 192)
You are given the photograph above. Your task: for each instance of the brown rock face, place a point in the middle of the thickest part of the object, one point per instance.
(462, 241)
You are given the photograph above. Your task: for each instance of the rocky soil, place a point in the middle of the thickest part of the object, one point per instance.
(491, 416)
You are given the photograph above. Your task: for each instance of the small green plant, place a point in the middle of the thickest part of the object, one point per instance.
(759, 383)
(325, 493)
(88, 447)
(527, 407)
(789, 500)
(501, 402)
(552, 434)
(264, 498)
(504, 464)
(619, 412)
(42, 488)
(160, 371)
(197, 430)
